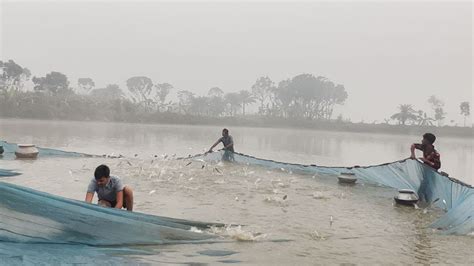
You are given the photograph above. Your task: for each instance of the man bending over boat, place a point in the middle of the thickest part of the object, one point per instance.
(430, 156)
(110, 190)
(228, 143)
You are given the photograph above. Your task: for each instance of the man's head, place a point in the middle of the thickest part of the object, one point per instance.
(102, 175)
(225, 132)
(428, 138)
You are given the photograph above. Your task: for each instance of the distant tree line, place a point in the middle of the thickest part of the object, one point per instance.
(408, 115)
(304, 97)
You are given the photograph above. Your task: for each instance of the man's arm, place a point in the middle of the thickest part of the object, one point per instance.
(119, 204)
(428, 162)
(412, 149)
(215, 144)
(91, 189)
(89, 197)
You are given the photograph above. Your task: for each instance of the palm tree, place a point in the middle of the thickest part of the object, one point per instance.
(424, 119)
(465, 110)
(245, 98)
(406, 113)
(439, 115)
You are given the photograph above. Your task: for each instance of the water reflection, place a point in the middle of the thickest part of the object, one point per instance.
(298, 146)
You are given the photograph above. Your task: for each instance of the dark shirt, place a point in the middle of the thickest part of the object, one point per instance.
(226, 141)
(430, 154)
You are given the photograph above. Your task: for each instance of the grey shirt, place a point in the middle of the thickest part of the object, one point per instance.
(107, 192)
(226, 141)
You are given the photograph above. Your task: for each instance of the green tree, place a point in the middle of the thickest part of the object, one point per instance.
(245, 98)
(423, 119)
(261, 90)
(162, 91)
(200, 105)
(406, 113)
(54, 83)
(216, 102)
(185, 100)
(13, 76)
(440, 115)
(438, 108)
(85, 85)
(307, 96)
(465, 110)
(215, 92)
(141, 89)
(110, 92)
(233, 102)
(332, 95)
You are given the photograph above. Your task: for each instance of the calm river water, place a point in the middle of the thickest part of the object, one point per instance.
(324, 222)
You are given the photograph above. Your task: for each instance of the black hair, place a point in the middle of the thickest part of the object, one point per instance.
(429, 137)
(225, 130)
(101, 171)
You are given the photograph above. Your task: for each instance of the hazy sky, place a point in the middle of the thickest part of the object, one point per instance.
(384, 53)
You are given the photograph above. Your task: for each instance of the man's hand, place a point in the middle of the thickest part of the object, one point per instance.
(412, 150)
(427, 162)
(89, 197)
(119, 197)
(424, 160)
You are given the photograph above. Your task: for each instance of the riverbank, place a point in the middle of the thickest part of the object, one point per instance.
(268, 122)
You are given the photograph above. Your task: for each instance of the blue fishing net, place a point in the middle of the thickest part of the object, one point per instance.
(456, 197)
(29, 216)
(10, 148)
(5, 172)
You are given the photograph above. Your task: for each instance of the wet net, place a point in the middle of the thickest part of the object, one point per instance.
(10, 148)
(450, 194)
(32, 217)
(6, 172)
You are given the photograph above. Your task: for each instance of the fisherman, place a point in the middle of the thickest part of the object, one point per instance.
(110, 190)
(430, 156)
(228, 143)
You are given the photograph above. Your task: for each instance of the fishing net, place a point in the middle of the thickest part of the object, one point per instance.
(6, 172)
(456, 197)
(10, 148)
(30, 216)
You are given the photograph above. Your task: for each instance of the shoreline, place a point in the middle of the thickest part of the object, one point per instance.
(258, 122)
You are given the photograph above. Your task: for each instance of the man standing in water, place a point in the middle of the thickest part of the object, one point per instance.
(110, 190)
(430, 156)
(228, 143)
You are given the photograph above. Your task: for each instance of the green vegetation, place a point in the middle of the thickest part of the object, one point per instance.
(304, 101)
